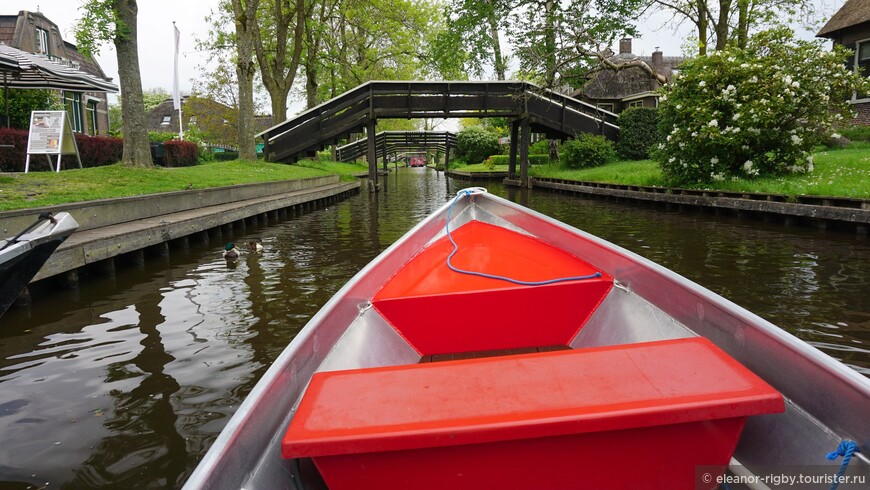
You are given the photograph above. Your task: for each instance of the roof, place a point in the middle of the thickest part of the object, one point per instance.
(7, 28)
(86, 64)
(65, 51)
(609, 84)
(854, 12)
(36, 71)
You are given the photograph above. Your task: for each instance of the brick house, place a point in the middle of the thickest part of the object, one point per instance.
(616, 91)
(850, 27)
(34, 33)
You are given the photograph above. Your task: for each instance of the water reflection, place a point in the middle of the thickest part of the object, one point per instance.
(126, 382)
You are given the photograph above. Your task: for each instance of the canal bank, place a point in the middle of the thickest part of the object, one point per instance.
(127, 229)
(818, 211)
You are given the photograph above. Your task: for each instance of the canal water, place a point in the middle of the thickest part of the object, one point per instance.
(126, 381)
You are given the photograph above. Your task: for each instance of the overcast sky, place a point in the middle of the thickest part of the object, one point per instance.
(156, 41)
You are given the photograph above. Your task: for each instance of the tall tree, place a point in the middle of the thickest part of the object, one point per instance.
(722, 23)
(246, 30)
(471, 40)
(278, 44)
(556, 41)
(116, 21)
(366, 40)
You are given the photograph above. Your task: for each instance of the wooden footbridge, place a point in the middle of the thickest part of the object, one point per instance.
(531, 108)
(393, 142)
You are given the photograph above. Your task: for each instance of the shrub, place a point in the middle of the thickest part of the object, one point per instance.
(587, 150)
(638, 133)
(12, 159)
(540, 148)
(94, 151)
(161, 136)
(474, 144)
(98, 151)
(533, 159)
(855, 133)
(180, 153)
(754, 111)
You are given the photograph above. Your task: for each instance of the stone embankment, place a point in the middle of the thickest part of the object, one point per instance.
(819, 211)
(129, 228)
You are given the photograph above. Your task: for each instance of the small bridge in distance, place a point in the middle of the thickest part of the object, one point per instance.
(393, 142)
(528, 106)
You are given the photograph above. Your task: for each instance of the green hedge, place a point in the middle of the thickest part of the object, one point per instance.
(94, 151)
(638, 133)
(180, 154)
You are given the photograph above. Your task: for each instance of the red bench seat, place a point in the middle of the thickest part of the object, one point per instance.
(632, 416)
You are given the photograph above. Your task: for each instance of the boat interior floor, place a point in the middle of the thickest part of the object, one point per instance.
(491, 353)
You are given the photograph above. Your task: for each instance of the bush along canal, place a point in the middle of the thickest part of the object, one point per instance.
(127, 379)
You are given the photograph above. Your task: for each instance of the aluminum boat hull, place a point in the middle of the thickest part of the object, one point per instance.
(825, 401)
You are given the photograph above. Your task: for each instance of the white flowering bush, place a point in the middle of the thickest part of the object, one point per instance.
(742, 113)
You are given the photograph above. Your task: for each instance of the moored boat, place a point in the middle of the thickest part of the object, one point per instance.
(22, 255)
(493, 347)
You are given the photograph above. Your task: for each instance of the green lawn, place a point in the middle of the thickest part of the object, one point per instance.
(346, 170)
(36, 189)
(838, 172)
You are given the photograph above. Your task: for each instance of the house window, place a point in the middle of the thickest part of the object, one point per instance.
(166, 120)
(91, 111)
(862, 64)
(72, 102)
(636, 103)
(42, 46)
(606, 107)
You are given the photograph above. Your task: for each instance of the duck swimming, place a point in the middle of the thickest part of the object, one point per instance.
(255, 245)
(231, 252)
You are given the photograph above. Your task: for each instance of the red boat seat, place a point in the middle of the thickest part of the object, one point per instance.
(561, 419)
(438, 311)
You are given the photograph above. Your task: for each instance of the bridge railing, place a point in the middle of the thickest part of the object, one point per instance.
(338, 118)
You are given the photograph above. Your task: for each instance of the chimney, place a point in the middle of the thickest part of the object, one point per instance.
(658, 61)
(625, 45)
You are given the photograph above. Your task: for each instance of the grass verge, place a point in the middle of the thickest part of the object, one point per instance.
(19, 191)
(838, 172)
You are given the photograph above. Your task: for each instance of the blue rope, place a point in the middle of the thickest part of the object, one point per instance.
(846, 449)
(466, 192)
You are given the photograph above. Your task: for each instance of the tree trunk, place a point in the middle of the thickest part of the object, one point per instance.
(722, 28)
(550, 45)
(498, 58)
(702, 27)
(742, 23)
(313, 37)
(554, 150)
(137, 152)
(246, 21)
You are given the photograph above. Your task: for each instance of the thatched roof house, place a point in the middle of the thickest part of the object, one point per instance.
(215, 122)
(852, 18)
(616, 91)
(850, 27)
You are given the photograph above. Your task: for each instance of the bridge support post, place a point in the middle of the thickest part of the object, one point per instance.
(372, 155)
(446, 155)
(384, 154)
(524, 152)
(512, 159)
